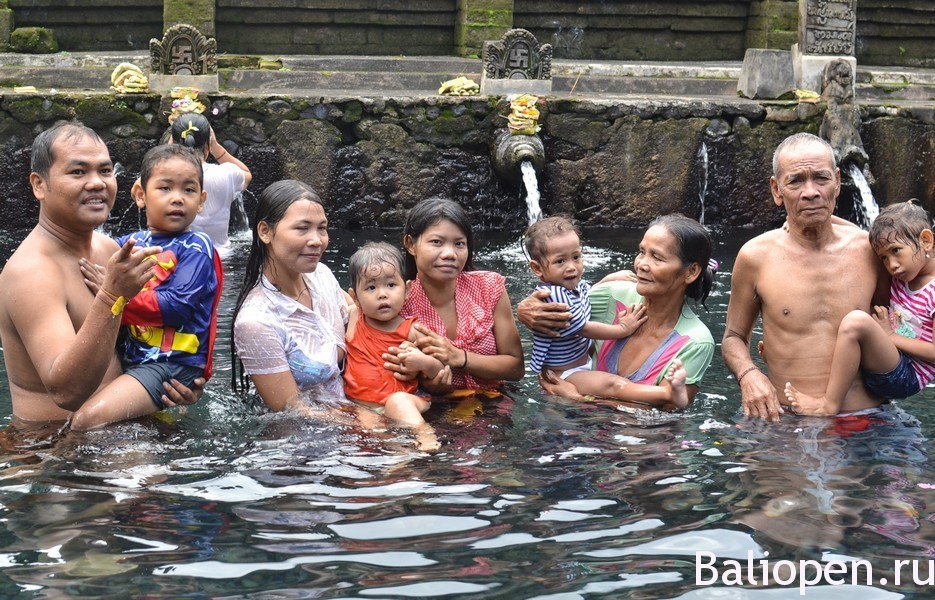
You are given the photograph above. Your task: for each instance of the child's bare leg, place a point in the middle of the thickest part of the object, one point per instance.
(860, 343)
(607, 385)
(406, 409)
(124, 398)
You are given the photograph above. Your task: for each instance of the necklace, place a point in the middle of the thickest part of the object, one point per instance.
(298, 297)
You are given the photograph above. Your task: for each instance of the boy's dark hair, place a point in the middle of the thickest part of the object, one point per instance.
(902, 222)
(191, 130)
(539, 233)
(374, 254)
(158, 154)
(41, 158)
(429, 212)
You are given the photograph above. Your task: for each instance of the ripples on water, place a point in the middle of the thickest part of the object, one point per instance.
(530, 497)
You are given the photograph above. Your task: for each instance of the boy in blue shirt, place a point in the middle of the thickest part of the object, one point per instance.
(170, 325)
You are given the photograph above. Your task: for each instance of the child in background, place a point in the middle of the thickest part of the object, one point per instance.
(893, 347)
(379, 291)
(554, 249)
(170, 324)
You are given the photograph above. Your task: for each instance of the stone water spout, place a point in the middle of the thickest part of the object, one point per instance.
(841, 122)
(509, 152)
(840, 126)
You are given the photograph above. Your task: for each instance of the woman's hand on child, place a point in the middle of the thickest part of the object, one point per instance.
(437, 346)
(544, 317)
(392, 362)
(411, 357)
(556, 386)
(630, 319)
(93, 274)
(441, 382)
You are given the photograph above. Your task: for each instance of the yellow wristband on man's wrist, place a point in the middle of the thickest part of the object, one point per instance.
(119, 303)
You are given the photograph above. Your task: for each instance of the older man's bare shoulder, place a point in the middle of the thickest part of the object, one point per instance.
(854, 237)
(763, 246)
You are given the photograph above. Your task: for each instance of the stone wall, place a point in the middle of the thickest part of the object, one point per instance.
(410, 27)
(896, 32)
(606, 163)
(889, 32)
(93, 25)
(627, 30)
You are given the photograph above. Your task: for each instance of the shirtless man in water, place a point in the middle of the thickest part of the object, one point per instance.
(58, 338)
(802, 279)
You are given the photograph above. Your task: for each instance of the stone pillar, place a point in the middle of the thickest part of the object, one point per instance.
(481, 20)
(826, 32)
(6, 25)
(197, 13)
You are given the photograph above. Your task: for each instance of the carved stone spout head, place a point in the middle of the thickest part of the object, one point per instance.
(509, 152)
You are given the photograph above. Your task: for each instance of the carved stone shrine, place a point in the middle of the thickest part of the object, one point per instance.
(184, 58)
(517, 64)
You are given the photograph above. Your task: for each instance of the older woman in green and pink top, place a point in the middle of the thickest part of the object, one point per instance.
(672, 264)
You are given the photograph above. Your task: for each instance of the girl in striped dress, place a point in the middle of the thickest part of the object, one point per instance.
(893, 347)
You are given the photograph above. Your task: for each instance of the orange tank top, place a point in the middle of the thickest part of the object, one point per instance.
(364, 376)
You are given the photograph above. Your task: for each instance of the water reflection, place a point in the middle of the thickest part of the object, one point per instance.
(529, 497)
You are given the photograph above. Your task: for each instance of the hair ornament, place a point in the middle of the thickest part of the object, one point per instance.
(713, 265)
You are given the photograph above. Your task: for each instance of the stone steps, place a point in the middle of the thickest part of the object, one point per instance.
(421, 76)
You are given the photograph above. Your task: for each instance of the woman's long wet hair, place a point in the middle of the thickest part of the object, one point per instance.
(694, 246)
(429, 212)
(270, 209)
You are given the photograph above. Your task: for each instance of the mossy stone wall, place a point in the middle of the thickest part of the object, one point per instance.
(889, 32)
(606, 163)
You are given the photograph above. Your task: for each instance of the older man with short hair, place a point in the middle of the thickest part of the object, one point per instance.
(802, 279)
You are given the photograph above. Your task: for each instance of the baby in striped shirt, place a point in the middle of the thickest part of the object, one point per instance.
(893, 347)
(553, 245)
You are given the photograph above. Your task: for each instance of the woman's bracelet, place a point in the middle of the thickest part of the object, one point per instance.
(744, 373)
(464, 366)
(218, 156)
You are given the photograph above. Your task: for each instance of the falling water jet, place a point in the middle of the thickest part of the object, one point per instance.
(531, 186)
(865, 207)
(703, 186)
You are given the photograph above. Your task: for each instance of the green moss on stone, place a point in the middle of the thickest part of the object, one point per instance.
(34, 109)
(103, 111)
(353, 112)
(33, 40)
(231, 61)
(197, 13)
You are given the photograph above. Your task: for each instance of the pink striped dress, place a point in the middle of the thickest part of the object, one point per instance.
(913, 312)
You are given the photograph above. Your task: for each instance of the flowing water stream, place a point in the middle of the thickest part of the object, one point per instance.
(531, 186)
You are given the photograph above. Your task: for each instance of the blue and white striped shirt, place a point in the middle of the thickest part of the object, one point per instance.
(568, 346)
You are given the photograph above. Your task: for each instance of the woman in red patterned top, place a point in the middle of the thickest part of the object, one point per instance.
(464, 316)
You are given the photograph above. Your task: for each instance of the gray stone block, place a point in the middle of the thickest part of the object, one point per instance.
(505, 87)
(766, 74)
(165, 83)
(809, 68)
